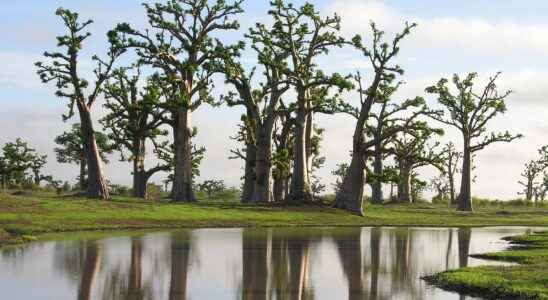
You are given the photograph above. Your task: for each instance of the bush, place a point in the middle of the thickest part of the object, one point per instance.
(154, 191)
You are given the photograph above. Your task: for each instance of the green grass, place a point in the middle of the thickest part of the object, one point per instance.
(32, 214)
(45, 214)
(529, 280)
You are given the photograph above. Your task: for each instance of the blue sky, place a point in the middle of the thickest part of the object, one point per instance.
(453, 36)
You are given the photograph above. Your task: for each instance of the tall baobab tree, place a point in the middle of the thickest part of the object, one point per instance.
(306, 35)
(181, 45)
(134, 117)
(261, 103)
(63, 69)
(470, 111)
(350, 195)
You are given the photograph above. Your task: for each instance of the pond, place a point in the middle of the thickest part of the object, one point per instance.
(243, 263)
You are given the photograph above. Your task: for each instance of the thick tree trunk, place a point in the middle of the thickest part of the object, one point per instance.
(465, 197)
(83, 171)
(300, 184)
(262, 192)
(376, 187)
(139, 173)
(96, 183)
(281, 175)
(308, 144)
(350, 195)
(182, 183)
(249, 175)
(404, 185)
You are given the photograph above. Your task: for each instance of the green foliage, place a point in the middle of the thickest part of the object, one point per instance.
(470, 111)
(182, 45)
(71, 149)
(21, 165)
(62, 66)
(339, 173)
(212, 187)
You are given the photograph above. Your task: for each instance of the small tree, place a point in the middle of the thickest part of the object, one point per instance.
(339, 174)
(469, 112)
(71, 150)
(134, 117)
(212, 187)
(451, 158)
(36, 165)
(530, 173)
(63, 69)
(17, 159)
(441, 187)
(413, 148)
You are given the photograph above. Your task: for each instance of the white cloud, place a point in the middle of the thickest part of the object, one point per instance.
(446, 32)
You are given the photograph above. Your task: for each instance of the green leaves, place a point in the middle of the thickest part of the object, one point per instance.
(470, 110)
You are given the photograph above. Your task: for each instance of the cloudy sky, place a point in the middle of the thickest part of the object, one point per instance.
(452, 37)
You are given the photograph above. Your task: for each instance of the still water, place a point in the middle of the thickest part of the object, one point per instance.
(280, 263)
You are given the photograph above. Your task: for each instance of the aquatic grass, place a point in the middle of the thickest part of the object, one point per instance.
(529, 280)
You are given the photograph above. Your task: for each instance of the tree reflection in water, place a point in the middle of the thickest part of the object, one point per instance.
(251, 264)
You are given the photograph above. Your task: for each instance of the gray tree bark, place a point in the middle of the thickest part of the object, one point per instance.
(249, 173)
(182, 183)
(404, 184)
(376, 187)
(83, 171)
(262, 191)
(465, 197)
(300, 185)
(139, 174)
(96, 183)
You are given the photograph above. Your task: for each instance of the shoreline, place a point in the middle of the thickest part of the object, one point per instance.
(522, 281)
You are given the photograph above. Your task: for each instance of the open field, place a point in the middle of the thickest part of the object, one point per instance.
(32, 214)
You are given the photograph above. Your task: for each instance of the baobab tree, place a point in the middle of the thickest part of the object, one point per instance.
(530, 174)
(413, 148)
(247, 154)
(350, 195)
(283, 154)
(261, 103)
(63, 69)
(305, 35)
(134, 117)
(384, 118)
(181, 46)
(450, 164)
(71, 150)
(469, 112)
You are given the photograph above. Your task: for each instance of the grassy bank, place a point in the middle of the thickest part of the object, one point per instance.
(31, 214)
(529, 280)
